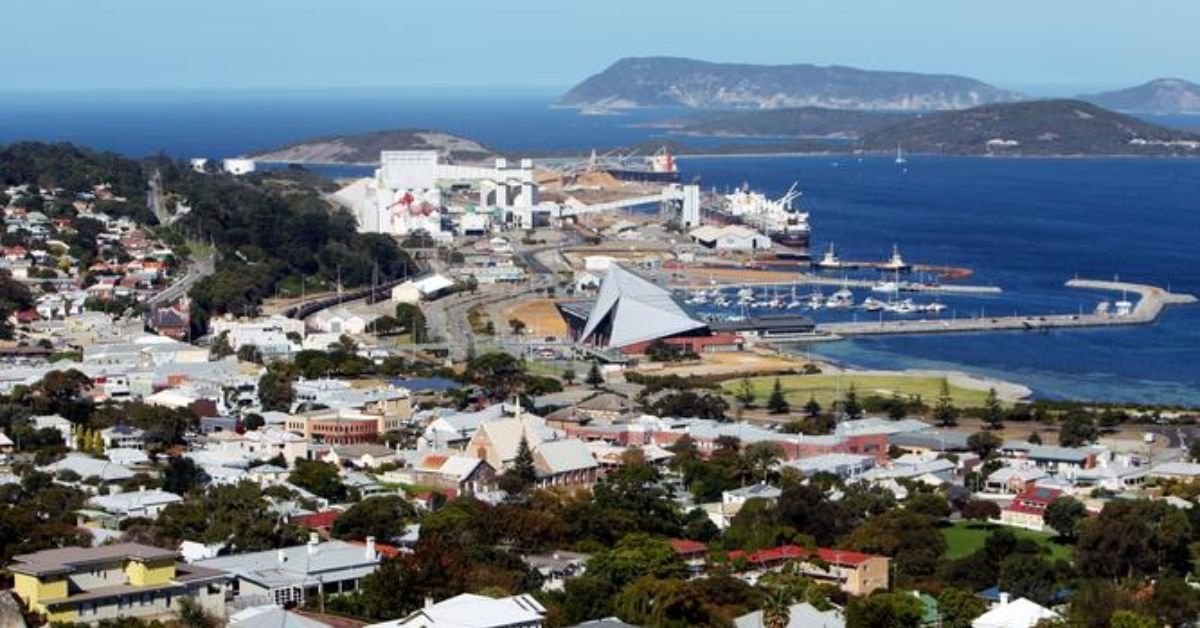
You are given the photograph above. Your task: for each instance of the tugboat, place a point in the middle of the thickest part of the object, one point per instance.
(896, 263)
(830, 260)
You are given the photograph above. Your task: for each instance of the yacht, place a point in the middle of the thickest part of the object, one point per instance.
(871, 304)
(816, 300)
(843, 298)
(885, 287)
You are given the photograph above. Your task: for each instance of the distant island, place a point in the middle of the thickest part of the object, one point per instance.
(672, 81)
(1160, 96)
(1044, 127)
(364, 148)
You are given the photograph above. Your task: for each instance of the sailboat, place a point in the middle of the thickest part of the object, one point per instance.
(900, 160)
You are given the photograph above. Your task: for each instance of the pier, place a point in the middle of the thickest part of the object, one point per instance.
(1151, 302)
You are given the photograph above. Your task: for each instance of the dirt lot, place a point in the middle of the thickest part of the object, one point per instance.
(539, 315)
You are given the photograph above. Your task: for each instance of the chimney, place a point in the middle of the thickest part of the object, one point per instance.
(312, 543)
(141, 488)
(428, 602)
(370, 548)
(281, 557)
(1003, 599)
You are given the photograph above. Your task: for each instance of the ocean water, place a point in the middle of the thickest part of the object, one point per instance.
(1026, 225)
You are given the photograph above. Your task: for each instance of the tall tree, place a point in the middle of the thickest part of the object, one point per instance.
(850, 406)
(595, 378)
(993, 415)
(944, 412)
(777, 403)
(812, 408)
(745, 392)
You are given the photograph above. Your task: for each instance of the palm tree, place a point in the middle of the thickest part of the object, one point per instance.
(777, 609)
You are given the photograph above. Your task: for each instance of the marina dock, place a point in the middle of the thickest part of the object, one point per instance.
(1151, 302)
(816, 280)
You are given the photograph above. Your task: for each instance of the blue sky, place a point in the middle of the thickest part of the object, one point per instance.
(1039, 46)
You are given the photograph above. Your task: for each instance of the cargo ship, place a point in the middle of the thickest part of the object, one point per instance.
(657, 168)
(777, 218)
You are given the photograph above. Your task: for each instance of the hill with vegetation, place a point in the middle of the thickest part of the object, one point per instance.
(672, 81)
(274, 229)
(1046, 127)
(364, 148)
(1160, 96)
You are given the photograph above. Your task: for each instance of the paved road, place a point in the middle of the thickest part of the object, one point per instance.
(198, 269)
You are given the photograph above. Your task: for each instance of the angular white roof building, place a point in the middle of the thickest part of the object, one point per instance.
(631, 309)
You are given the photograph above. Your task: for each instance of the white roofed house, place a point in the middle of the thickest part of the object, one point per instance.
(360, 455)
(87, 467)
(137, 503)
(123, 437)
(474, 611)
(293, 574)
(56, 422)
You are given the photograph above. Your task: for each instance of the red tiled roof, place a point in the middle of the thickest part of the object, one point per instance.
(685, 547)
(792, 552)
(322, 519)
(390, 551)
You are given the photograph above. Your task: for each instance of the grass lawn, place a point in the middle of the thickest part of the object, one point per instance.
(964, 537)
(828, 387)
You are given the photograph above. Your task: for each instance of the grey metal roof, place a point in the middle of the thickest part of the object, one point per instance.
(637, 309)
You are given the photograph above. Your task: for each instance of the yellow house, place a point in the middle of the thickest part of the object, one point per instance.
(88, 584)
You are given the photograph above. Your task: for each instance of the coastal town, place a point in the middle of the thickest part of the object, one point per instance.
(522, 409)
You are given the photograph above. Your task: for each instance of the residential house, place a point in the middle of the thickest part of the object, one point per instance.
(1051, 458)
(693, 553)
(722, 513)
(360, 455)
(88, 467)
(56, 422)
(1028, 507)
(465, 475)
(272, 616)
(557, 567)
(293, 574)
(802, 615)
(1019, 613)
(87, 585)
(1013, 479)
(854, 572)
(123, 437)
(139, 503)
(845, 466)
(474, 611)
